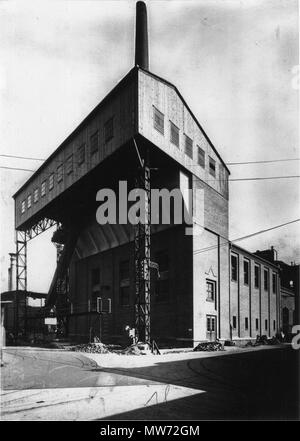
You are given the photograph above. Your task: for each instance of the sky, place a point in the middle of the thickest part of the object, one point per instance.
(233, 61)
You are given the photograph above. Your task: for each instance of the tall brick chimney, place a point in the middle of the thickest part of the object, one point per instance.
(141, 36)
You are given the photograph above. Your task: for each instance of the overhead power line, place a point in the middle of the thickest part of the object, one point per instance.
(263, 162)
(22, 157)
(215, 179)
(264, 178)
(227, 163)
(16, 168)
(248, 236)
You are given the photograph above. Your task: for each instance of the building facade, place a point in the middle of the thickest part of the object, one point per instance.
(193, 296)
(254, 295)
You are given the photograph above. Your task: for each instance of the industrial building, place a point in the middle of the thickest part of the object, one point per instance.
(174, 287)
(289, 289)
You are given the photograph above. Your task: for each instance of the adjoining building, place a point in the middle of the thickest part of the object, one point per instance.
(254, 295)
(191, 295)
(289, 289)
(23, 314)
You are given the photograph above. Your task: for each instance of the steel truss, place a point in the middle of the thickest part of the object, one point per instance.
(62, 303)
(142, 240)
(22, 238)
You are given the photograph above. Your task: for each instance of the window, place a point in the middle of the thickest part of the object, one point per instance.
(23, 207)
(246, 272)
(174, 134)
(266, 280)
(212, 166)
(274, 283)
(51, 181)
(29, 201)
(95, 276)
(201, 157)
(158, 120)
(60, 172)
(274, 325)
(81, 154)
(234, 321)
(69, 164)
(188, 147)
(256, 324)
(234, 267)
(210, 290)
(94, 142)
(256, 276)
(162, 283)
(109, 130)
(266, 325)
(95, 296)
(43, 189)
(36, 195)
(124, 283)
(124, 295)
(246, 323)
(211, 323)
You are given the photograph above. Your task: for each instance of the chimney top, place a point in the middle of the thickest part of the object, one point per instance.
(141, 36)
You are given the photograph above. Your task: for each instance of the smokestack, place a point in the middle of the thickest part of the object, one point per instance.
(141, 36)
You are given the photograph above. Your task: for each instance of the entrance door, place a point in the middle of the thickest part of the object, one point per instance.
(211, 327)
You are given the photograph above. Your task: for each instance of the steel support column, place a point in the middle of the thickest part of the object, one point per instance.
(21, 278)
(142, 240)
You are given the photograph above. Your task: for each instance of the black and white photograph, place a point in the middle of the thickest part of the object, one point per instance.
(149, 213)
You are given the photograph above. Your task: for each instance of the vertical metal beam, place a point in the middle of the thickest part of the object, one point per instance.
(142, 240)
(21, 278)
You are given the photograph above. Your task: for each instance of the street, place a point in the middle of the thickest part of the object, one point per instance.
(259, 383)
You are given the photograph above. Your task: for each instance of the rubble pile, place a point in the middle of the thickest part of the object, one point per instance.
(264, 340)
(92, 348)
(137, 349)
(209, 346)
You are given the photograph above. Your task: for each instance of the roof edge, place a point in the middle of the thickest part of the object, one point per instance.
(77, 128)
(187, 106)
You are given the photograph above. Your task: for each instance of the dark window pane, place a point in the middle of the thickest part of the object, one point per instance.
(234, 267)
(256, 276)
(69, 164)
(95, 276)
(124, 295)
(246, 272)
(81, 154)
(124, 270)
(174, 134)
(201, 157)
(94, 143)
(109, 130)
(212, 166)
(234, 322)
(266, 279)
(158, 120)
(60, 173)
(188, 147)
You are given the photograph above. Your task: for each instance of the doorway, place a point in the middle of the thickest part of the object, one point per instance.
(211, 327)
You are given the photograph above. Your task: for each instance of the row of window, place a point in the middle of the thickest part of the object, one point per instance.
(69, 164)
(234, 323)
(161, 293)
(159, 124)
(246, 274)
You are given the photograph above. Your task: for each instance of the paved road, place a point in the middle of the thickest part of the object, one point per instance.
(54, 385)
